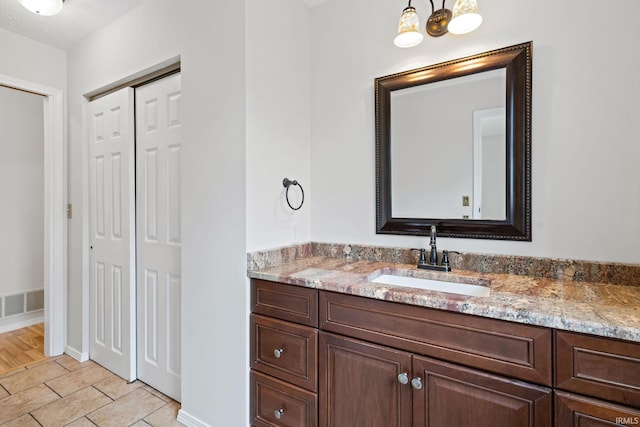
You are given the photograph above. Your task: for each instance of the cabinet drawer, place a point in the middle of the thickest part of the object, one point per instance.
(286, 302)
(510, 349)
(285, 350)
(597, 366)
(276, 403)
(575, 410)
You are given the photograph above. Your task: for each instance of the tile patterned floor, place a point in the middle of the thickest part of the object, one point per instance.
(64, 392)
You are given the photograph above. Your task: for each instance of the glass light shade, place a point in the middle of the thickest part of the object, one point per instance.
(466, 17)
(409, 34)
(43, 7)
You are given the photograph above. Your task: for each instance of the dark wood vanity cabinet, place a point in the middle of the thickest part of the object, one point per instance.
(597, 381)
(328, 359)
(505, 348)
(380, 373)
(367, 385)
(283, 355)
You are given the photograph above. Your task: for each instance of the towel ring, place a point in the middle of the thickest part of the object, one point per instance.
(288, 183)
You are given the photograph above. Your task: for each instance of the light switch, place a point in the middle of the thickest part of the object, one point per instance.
(465, 200)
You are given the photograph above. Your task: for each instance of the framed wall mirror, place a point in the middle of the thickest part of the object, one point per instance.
(453, 147)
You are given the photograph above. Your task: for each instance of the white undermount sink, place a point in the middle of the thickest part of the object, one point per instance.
(434, 285)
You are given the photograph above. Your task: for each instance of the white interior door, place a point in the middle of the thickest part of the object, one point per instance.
(112, 227)
(159, 240)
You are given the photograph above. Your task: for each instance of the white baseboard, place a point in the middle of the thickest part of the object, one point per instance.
(189, 420)
(79, 356)
(21, 321)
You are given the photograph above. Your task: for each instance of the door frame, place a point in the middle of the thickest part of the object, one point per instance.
(478, 118)
(55, 224)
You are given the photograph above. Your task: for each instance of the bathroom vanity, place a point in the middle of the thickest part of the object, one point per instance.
(329, 347)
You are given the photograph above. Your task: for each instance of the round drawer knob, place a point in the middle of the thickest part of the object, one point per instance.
(278, 352)
(403, 378)
(278, 413)
(416, 383)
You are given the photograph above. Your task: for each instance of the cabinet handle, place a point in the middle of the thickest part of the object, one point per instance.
(278, 352)
(403, 378)
(416, 383)
(278, 413)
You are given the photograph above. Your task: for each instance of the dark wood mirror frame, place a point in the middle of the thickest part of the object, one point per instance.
(517, 60)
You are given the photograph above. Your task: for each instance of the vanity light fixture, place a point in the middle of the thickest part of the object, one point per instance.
(43, 7)
(464, 19)
(409, 34)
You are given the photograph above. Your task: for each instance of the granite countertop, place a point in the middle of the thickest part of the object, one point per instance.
(603, 309)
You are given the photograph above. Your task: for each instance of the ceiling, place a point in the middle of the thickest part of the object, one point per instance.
(77, 20)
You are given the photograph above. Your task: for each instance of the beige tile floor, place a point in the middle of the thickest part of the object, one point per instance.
(64, 392)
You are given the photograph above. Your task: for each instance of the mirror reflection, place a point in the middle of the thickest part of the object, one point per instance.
(489, 164)
(453, 147)
(448, 148)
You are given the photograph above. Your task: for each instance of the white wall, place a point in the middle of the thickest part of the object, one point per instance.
(209, 37)
(279, 121)
(586, 182)
(22, 190)
(32, 61)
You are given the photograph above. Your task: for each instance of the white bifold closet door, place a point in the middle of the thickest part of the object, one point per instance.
(159, 236)
(112, 229)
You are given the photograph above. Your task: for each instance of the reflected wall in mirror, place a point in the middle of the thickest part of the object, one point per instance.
(458, 158)
(453, 147)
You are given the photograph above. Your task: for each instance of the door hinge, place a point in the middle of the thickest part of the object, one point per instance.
(69, 211)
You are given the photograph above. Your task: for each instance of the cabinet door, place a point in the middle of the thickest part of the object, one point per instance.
(359, 385)
(578, 411)
(453, 395)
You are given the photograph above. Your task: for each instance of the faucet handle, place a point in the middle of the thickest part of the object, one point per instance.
(423, 256)
(445, 256)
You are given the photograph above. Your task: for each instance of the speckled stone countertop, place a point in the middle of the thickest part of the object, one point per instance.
(604, 309)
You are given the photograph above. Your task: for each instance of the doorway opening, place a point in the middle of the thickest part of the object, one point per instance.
(54, 209)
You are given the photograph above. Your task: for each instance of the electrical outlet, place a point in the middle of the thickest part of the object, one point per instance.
(465, 200)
